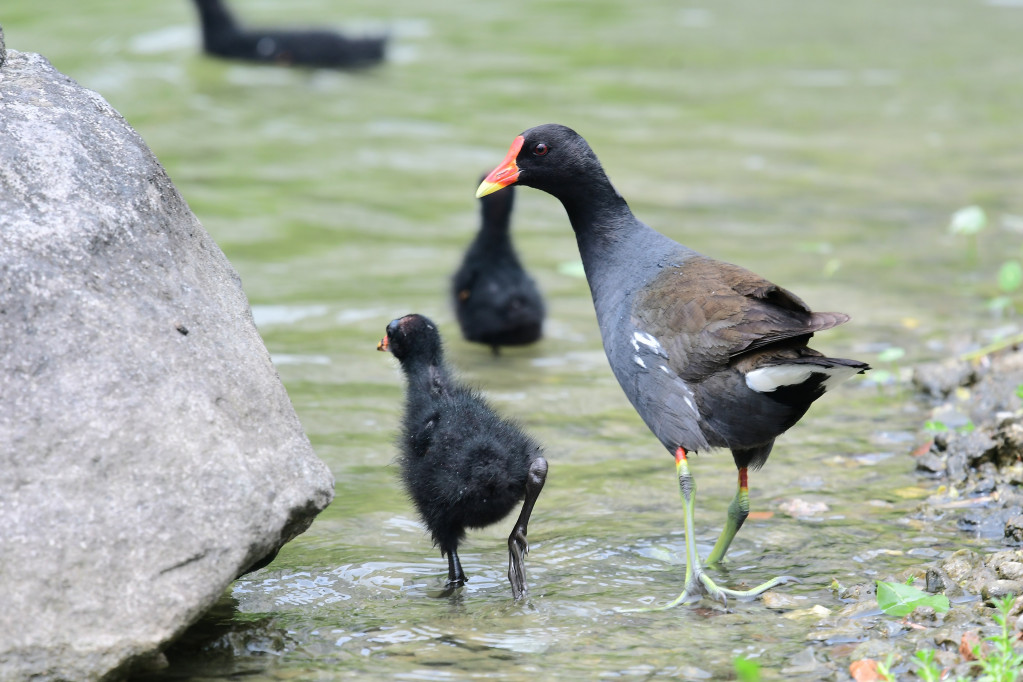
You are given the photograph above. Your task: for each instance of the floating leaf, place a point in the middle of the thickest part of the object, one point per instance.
(933, 425)
(891, 354)
(1010, 276)
(899, 599)
(968, 220)
(1019, 391)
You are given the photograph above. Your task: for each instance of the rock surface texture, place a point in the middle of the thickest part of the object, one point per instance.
(148, 451)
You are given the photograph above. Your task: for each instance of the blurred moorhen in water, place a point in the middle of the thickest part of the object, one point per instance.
(496, 301)
(462, 464)
(710, 354)
(223, 37)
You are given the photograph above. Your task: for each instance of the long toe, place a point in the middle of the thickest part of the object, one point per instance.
(723, 593)
(700, 584)
(517, 547)
(517, 578)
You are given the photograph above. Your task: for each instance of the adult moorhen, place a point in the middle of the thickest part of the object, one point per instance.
(710, 354)
(223, 37)
(496, 301)
(462, 464)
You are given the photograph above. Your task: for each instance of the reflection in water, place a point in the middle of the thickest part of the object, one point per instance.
(223, 644)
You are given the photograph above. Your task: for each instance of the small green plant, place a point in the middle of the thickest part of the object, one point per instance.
(900, 599)
(934, 425)
(1010, 279)
(1003, 663)
(1010, 276)
(746, 670)
(968, 222)
(927, 668)
(884, 670)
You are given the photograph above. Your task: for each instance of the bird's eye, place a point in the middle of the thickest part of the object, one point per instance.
(540, 149)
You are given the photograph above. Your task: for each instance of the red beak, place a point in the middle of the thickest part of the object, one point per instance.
(505, 174)
(383, 344)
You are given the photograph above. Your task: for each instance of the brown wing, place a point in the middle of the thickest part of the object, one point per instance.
(707, 312)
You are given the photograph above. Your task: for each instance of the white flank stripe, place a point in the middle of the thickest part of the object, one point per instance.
(649, 341)
(767, 379)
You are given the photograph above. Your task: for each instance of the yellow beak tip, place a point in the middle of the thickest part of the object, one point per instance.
(486, 188)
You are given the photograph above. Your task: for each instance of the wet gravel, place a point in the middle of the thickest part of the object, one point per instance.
(973, 462)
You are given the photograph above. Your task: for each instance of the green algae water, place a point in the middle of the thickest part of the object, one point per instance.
(823, 145)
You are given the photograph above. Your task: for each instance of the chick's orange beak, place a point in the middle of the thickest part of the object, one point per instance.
(505, 174)
(383, 344)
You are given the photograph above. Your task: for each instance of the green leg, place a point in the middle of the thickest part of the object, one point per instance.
(738, 510)
(698, 582)
(687, 489)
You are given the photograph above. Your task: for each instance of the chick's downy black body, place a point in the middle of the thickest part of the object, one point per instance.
(223, 36)
(462, 464)
(496, 301)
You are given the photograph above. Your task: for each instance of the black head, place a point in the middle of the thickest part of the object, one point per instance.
(550, 157)
(412, 338)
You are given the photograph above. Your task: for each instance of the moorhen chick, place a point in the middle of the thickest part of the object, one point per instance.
(462, 464)
(496, 301)
(710, 354)
(223, 37)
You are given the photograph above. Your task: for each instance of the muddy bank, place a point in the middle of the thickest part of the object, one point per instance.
(971, 455)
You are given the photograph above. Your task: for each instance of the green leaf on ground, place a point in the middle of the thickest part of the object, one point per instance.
(899, 599)
(1010, 275)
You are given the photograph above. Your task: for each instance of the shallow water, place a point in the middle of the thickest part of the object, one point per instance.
(823, 145)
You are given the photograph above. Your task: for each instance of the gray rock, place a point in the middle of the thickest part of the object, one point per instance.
(149, 451)
(1014, 529)
(801, 663)
(3, 50)
(997, 589)
(961, 564)
(941, 379)
(977, 446)
(930, 463)
(938, 581)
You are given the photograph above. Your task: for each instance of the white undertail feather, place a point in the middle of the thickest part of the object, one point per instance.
(767, 379)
